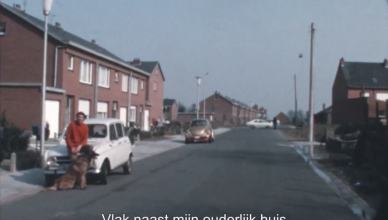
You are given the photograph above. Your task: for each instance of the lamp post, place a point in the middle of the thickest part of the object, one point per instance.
(198, 83)
(204, 99)
(46, 11)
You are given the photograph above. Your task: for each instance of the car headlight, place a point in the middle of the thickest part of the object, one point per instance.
(51, 161)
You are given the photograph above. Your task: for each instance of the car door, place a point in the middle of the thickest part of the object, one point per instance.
(123, 145)
(256, 123)
(114, 145)
(261, 124)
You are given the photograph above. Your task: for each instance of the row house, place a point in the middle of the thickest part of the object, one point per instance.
(81, 76)
(261, 112)
(359, 91)
(170, 109)
(226, 109)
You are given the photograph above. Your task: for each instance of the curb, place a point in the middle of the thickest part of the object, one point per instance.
(354, 202)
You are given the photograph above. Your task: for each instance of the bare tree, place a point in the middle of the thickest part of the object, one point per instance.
(181, 107)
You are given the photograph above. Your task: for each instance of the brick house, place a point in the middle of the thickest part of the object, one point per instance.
(359, 91)
(261, 112)
(282, 118)
(226, 109)
(170, 109)
(323, 116)
(154, 86)
(81, 76)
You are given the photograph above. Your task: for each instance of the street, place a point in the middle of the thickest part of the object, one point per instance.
(244, 171)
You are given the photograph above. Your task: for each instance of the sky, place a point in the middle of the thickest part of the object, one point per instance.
(249, 48)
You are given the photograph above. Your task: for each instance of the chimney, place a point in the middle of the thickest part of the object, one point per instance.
(18, 7)
(342, 61)
(136, 61)
(93, 41)
(324, 106)
(385, 63)
(58, 25)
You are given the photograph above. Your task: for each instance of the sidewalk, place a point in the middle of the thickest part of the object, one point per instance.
(311, 152)
(29, 182)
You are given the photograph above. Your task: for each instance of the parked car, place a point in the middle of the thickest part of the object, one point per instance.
(199, 130)
(108, 137)
(259, 123)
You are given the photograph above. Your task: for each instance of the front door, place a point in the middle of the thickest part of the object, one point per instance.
(146, 120)
(52, 117)
(114, 145)
(84, 106)
(123, 145)
(123, 115)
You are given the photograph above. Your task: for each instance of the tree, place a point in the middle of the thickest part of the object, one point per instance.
(193, 108)
(181, 107)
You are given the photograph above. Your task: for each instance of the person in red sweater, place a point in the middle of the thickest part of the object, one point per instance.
(77, 135)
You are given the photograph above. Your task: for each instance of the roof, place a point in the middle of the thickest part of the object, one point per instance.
(168, 102)
(70, 39)
(364, 74)
(147, 66)
(281, 114)
(233, 101)
(326, 110)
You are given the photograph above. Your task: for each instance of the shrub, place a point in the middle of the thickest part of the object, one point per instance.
(27, 160)
(13, 139)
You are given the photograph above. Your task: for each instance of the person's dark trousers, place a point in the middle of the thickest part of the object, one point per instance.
(274, 126)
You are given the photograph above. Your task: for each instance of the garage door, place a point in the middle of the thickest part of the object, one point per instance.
(123, 115)
(102, 110)
(84, 106)
(52, 117)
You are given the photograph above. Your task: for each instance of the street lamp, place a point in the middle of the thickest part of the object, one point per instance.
(204, 99)
(46, 11)
(198, 83)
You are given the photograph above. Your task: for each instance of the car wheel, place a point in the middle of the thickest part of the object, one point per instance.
(253, 127)
(50, 180)
(186, 141)
(103, 176)
(127, 168)
(267, 127)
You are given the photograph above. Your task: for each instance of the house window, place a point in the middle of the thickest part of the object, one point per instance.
(116, 77)
(71, 62)
(86, 72)
(155, 86)
(134, 83)
(142, 85)
(124, 83)
(103, 77)
(213, 108)
(132, 114)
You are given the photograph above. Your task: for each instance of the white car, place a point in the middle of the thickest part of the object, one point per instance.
(259, 123)
(108, 137)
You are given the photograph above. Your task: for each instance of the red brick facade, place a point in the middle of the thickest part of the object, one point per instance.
(356, 105)
(21, 67)
(225, 110)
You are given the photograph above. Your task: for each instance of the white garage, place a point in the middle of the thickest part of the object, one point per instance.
(52, 116)
(102, 110)
(123, 115)
(84, 106)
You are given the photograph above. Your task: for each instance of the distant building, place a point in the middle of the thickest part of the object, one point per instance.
(170, 109)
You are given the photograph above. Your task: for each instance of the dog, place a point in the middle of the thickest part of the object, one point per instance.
(77, 171)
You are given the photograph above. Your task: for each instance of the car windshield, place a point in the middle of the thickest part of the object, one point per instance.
(95, 131)
(198, 123)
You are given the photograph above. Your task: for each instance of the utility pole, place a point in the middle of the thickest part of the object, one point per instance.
(296, 103)
(311, 103)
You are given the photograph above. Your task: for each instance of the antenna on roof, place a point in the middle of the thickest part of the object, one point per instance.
(25, 5)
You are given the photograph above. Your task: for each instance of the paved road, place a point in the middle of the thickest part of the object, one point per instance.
(244, 172)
